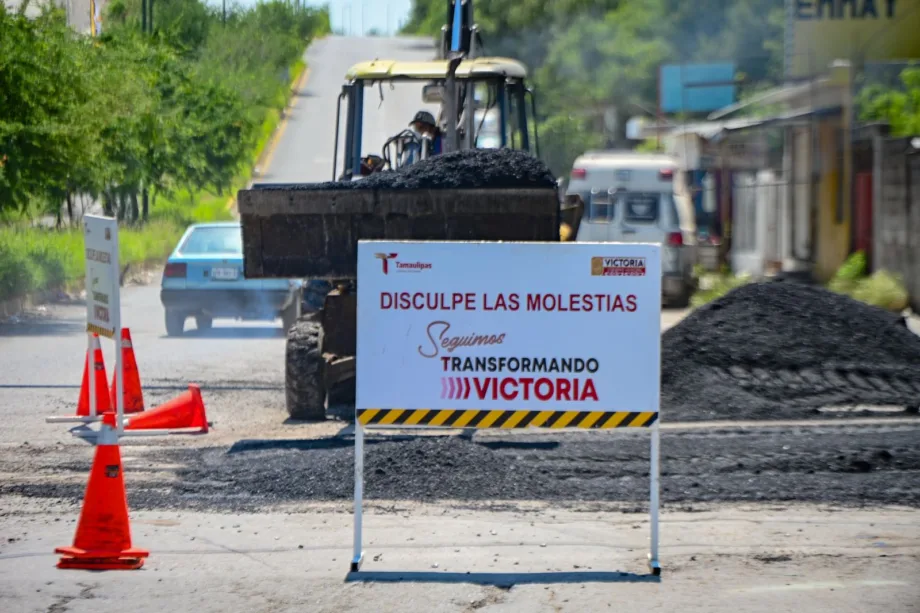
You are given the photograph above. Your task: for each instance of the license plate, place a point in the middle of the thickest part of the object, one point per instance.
(225, 274)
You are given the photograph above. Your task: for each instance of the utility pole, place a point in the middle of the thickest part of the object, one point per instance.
(144, 16)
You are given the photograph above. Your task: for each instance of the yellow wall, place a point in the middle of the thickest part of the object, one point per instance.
(833, 238)
(825, 30)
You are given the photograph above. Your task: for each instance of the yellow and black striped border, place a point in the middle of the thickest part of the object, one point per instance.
(505, 419)
(100, 331)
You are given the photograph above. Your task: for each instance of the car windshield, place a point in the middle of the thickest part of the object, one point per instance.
(219, 239)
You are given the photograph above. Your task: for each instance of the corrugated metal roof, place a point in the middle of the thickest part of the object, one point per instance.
(713, 130)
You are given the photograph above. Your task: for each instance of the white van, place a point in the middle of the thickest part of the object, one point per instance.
(639, 198)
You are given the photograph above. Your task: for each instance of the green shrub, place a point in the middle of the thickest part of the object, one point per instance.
(882, 289)
(849, 274)
(715, 285)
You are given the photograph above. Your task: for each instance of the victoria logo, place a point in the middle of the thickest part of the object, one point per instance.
(385, 259)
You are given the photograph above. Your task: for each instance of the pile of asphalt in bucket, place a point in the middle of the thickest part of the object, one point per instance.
(474, 168)
(769, 350)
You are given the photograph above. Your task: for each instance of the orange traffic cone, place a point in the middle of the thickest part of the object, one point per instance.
(103, 537)
(134, 397)
(184, 411)
(103, 398)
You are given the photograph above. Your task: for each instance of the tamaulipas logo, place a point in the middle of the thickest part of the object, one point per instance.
(385, 259)
(400, 266)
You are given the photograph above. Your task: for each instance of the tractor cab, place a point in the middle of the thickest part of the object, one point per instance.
(477, 103)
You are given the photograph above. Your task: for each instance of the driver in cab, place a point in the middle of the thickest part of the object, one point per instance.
(425, 126)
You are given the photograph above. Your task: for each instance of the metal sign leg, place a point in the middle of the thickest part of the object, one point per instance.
(653, 564)
(91, 373)
(359, 495)
(119, 383)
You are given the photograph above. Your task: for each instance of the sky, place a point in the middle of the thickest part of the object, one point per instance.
(384, 15)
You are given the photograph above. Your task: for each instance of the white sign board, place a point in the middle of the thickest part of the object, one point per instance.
(508, 335)
(100, 239)
(541, 326)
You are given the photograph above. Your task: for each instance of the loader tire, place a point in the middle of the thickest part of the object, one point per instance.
(304, 376)
(342, 401)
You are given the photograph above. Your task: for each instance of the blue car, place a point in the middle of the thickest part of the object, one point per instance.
(204, 279)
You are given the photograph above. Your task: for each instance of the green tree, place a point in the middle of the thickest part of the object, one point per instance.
(900, 107)
(44, 89)
(587, 56)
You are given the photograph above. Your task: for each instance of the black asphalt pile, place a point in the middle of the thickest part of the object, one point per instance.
(475, 168)
(772, 349)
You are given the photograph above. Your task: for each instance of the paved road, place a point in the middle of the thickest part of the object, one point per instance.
(547, 560)
(305, 150)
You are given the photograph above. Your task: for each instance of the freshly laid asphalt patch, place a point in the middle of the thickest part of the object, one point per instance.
(848, 465)
(782, 350)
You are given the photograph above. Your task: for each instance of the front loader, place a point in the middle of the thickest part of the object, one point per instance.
(312, 231)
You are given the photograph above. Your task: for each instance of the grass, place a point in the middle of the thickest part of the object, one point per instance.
(34, 259)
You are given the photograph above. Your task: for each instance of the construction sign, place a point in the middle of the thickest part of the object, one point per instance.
(508, 335)
(100, 239)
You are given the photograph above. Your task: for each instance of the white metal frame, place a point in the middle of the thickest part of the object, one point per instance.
(357, 559)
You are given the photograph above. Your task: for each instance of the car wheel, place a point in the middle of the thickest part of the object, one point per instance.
(204, 322)
(175, 323)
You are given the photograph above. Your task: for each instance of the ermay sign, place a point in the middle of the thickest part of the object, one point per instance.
(530, 327)
(100, 239)
(821, 31)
